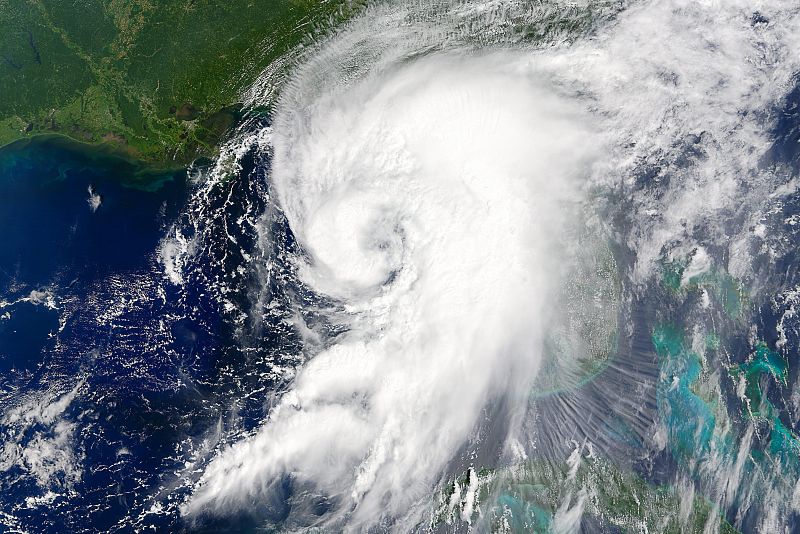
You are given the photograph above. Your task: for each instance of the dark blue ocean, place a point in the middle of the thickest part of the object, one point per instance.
(117, 384)
(112, 378)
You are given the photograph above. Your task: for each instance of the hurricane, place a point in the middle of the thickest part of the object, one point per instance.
(395, 189)
(456, 266)
(436, 165)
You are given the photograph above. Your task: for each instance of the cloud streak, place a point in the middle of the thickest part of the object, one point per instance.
(430, 199)
(430, 185)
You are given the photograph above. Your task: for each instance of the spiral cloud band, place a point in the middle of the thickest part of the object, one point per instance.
(396, 188)
(429, 166)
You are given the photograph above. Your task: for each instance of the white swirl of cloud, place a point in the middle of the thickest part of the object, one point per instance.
(430, 185)
(430, 197)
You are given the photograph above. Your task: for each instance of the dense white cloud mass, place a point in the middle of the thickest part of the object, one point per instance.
(429, 184)
(430, 201)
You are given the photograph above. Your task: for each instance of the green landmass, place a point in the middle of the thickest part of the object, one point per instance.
(156, 80)
(536, 496)
(582, 335)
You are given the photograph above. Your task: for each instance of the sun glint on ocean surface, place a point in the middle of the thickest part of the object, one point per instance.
(457, 266)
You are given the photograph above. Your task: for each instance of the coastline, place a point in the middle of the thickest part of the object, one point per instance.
(132, 172)
(207, 133)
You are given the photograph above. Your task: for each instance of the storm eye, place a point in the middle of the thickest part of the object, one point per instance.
(450, 265)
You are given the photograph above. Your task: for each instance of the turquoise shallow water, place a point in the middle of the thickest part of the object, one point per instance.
(118, 378)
